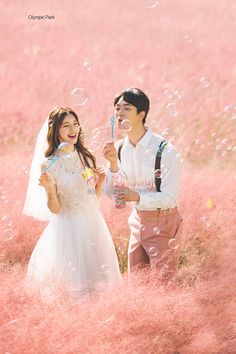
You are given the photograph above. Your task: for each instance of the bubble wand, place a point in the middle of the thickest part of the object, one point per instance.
(113, 124)
(61, 147)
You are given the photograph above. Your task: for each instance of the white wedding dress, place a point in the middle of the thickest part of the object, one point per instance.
(76, 246)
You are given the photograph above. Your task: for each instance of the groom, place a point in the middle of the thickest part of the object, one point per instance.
(150, 168)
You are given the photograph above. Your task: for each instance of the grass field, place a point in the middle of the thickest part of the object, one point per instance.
(182, 54)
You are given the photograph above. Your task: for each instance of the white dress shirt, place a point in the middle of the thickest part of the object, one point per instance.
(138, 169)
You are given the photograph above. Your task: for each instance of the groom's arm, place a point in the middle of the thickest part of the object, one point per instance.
(113, 170)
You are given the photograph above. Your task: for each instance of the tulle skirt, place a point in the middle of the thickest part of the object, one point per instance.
(76, 249)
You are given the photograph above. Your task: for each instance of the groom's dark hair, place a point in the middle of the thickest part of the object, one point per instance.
(137, 98)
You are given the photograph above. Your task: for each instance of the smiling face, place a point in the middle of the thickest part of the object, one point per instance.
(125, 111)
(69, 130)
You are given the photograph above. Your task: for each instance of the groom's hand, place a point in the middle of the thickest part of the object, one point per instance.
(110, 153)
(130, 196)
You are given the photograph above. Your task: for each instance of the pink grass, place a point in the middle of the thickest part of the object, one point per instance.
(104, 47)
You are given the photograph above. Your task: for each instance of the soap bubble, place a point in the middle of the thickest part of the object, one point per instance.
(87, 65)
(6, 219)
(205, 82)
(125, 125)
(151, 4)
(153, 251)
(78, 96)
(188, 38)
(205, 221)
(104, 269)
(172, 109)
(156, 230)
(166, 132)
(173, 244)
(142, 227)
(62, 147)
(8, 234)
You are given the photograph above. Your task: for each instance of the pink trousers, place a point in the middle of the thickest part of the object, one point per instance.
(155, 239)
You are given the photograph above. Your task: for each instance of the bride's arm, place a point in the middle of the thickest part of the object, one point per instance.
(101, 174)
(47, 182)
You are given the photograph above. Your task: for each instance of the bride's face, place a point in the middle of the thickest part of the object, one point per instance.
(69, 130)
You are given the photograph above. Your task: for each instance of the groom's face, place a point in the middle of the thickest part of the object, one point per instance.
(125, 111)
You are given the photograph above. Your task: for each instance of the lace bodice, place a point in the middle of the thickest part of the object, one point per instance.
(73, 191)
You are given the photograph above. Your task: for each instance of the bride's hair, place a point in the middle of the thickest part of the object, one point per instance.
(55, 121)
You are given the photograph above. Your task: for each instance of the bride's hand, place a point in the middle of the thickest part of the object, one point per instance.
(101, 173)
(46, 180)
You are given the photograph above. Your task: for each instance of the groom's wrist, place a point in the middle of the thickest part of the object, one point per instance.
(113, 167)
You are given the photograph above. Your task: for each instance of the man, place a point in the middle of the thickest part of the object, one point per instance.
(151, 170)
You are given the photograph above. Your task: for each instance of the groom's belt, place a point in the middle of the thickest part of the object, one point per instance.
(157, 212)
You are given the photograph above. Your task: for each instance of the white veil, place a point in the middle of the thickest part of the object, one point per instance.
(36, 197)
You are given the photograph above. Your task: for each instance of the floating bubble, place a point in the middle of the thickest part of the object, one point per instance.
(205, 221)
(205, 82)
(151, 4)
(177, 95)
(125, 125)
(156, 230)
(173, 96)
(168, 94)
(122, 249)
(188, 38)
(224, 141)
(62, 147)
(197, 142)
(91, 242)
(72, 267)
(8, 234)
(91, 285)
(157, 173)
(87, 65)
(149, 153)
(97, 131)
(166, 132)
(230, 109)
(142, 227)
(79, 96)
(95, 144)
(173, 244)
(172, 109)
(24, 169)
(227, 108)
(218, 148)
(104, 269)
(6, 219)
(233, 117)
(153, 251)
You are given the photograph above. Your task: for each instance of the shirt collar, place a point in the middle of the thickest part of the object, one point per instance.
(144, 141)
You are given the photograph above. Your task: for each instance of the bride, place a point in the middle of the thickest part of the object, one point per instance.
(76, 246)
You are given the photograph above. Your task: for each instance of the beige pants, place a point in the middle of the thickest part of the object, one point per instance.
(155, 239)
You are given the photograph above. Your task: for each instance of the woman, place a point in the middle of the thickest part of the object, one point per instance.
(76, 246)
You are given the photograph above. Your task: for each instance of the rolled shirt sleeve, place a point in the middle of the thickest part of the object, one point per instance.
(170, 181)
